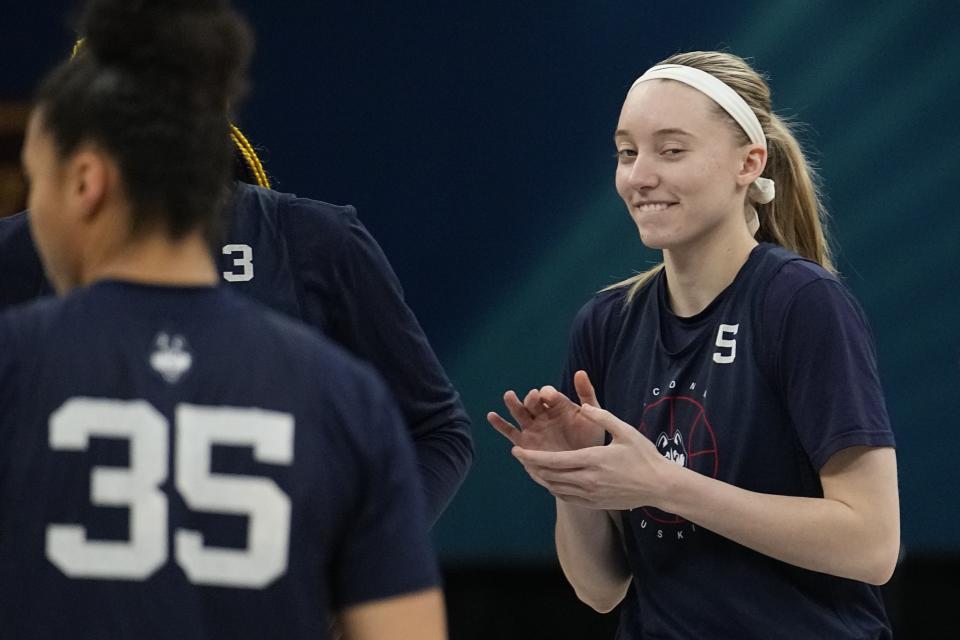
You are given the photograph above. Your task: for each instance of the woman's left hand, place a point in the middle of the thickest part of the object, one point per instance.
(625, 474)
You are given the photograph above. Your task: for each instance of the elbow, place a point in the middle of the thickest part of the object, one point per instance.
(880, 566)
(883, 567)
(603, 598)
(601, 602)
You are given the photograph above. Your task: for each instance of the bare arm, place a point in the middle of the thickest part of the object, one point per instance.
(591, 555)
(417, 616)
(588, 541)
(852, 532)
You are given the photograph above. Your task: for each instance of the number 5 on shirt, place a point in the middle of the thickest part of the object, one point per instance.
(726, 339)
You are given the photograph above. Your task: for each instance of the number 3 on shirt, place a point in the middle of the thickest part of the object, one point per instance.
(244, 263)
(726, 339)
(267, 507)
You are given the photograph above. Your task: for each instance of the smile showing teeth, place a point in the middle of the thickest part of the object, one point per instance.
(653, 206)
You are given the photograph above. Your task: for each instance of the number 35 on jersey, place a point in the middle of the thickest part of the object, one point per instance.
(198, 430)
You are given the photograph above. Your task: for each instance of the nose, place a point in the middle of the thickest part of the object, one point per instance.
(642, 174)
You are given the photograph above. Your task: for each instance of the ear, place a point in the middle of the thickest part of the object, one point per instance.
(90, 176)
(752, 164)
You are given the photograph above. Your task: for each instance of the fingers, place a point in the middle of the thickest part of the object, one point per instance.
(506, 429)
(553, 399)
(610, 423)
(577, 459)
(517, 409)
(555, 483)
(585, 390)
(533, 404)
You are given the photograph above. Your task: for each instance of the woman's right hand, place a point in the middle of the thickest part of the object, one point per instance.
(547, 420)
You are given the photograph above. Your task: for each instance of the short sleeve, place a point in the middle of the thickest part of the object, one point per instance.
(21, 273)
(827, 368)
(386, 548)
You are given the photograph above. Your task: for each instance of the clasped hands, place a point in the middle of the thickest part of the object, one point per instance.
(561, 446)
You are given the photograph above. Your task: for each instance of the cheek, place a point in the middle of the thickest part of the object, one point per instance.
(705, 179)
(620, 180)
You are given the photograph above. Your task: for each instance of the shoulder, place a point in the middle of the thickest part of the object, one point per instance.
(15, 239)
(604, 304)
(341, 392)
(787, 269)
(800, 295)
(23, 328)
(615, 302)
(308, 351)
(603, 313)
(789, 277)
(35, 317)
(312, 229)
(14, 225)
(288, 209)
(21, 273)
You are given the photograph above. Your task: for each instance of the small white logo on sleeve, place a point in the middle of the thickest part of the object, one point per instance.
(170, 358)
(726, 339)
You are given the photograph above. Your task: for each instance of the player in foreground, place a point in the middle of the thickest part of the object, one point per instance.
(748, 485)
(314, 262)
(175, 460)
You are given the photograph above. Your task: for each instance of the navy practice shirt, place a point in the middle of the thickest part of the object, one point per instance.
(179, 462)
(758, 390)
(317, 263)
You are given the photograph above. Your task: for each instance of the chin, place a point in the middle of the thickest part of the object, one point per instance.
(652, 239)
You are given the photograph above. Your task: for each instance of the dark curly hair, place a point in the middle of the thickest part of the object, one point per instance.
(151, 86)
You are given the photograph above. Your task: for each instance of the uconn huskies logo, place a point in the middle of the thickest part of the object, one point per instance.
(671, 448)
(170, 358)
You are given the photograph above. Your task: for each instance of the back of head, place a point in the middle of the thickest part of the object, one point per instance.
(795, 218)
(151, 87)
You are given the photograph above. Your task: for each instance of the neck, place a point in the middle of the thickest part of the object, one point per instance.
(698, 273)
(154, 258)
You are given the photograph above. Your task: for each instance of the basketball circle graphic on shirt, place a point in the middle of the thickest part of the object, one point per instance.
(678, 425)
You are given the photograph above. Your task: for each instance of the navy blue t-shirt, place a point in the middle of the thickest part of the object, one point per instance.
(316, 262)
(758, 390)
(183, 463)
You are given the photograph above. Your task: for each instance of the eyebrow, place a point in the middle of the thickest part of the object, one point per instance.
(621, 133)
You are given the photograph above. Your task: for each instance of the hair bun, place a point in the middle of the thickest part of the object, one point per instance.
(199, 45)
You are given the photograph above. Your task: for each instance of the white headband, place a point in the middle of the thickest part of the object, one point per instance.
(731, 102)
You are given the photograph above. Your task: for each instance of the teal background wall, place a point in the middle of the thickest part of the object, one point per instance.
(475, 139)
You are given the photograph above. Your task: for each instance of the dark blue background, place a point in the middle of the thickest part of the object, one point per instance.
(475, 139)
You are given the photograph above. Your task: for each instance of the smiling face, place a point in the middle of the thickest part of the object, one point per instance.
(681, 169)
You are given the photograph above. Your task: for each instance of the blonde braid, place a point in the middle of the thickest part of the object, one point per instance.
(250, 156)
